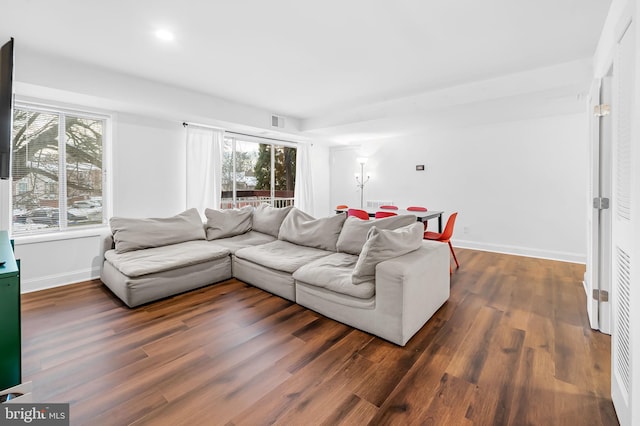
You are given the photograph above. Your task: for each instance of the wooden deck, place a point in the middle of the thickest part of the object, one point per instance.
(512, 346)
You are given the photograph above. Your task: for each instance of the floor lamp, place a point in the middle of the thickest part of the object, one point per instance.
(361, 180)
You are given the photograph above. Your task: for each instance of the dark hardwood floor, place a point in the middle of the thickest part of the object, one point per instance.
(511, 346)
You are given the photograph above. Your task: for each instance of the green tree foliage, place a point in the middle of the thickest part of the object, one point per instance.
(285, 167)
(262, 169)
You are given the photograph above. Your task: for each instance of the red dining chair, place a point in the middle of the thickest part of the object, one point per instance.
(389, 207)
(360, 214)
(445, 237)
(380, 215)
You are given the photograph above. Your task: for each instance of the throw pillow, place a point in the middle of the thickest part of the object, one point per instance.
(228, 223)
(384, 244)
(135, 234)
(303, 229)
(267, 219)
(354, 232)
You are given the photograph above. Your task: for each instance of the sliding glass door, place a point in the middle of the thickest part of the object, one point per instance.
(255, 172)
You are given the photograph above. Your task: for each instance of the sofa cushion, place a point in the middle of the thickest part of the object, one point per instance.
(334, 273)
(134, 234)
(248, 239)
(303, 229)
(228, 223)
(383, 244)
(354, 231)
(267, 219)
(281, 255)
(137, 263)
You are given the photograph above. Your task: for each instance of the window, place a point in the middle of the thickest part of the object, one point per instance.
(57, 170)
(257, 172)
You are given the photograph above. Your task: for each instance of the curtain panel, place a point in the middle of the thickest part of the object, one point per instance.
(303, 192)
(204, 167)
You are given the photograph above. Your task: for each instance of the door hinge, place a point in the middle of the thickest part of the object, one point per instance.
(601, 295)
(600, 203)
(601, 110)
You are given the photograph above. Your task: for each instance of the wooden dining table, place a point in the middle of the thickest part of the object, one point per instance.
(421, 216)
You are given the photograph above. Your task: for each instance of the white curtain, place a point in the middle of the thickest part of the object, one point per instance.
(204, 167)
(304, 186)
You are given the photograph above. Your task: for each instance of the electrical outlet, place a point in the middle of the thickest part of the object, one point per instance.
(465, 230)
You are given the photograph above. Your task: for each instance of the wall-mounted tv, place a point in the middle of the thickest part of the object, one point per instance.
(6, 108)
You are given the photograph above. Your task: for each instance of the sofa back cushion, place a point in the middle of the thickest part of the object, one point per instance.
(267, 219)
(303, 229)
(354, 232)
(384, 244)
(228, 223)
(134, 234)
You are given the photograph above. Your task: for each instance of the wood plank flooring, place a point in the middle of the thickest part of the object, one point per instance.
(512, 346)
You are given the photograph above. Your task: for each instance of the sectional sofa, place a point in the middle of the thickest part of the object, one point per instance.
(379, 276)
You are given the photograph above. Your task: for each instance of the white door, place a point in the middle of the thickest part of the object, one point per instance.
(604, 252)
(591, 277)
(598, 274)
(621, 241)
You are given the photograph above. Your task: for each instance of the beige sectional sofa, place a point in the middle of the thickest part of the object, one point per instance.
(378, 276)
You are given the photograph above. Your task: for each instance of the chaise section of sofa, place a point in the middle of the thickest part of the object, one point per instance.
(409, 289)
(141, 276)
(158, 257)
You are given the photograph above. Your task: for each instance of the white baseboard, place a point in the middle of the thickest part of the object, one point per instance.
(58, 280)
(522, 251)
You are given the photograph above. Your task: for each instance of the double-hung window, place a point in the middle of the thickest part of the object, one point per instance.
(57, 169)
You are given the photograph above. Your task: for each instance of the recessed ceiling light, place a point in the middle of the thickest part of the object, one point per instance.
(164, 35)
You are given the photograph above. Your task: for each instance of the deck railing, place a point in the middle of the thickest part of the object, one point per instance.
(227, 203)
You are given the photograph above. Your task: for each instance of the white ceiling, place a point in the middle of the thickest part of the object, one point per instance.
(310, 59)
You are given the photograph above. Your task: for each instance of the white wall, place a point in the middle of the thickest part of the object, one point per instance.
(519, 186)
(47, 262)
(149, 175)
(148, 154)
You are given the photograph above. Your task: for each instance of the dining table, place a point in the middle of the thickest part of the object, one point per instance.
(420, 216)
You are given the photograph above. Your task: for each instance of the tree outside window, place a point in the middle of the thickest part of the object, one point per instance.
(57, 170)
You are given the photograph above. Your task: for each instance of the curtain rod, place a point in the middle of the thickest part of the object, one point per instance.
(185, 124)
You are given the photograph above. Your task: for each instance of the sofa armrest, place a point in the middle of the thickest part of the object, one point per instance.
(412, 287)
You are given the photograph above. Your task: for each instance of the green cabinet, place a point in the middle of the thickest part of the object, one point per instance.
(10, 340)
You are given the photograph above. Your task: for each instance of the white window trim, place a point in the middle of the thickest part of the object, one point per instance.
(6, 196)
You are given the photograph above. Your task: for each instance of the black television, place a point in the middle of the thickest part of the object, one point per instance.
(6, 108)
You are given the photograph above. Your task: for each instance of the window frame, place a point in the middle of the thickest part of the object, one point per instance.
(63, 231)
